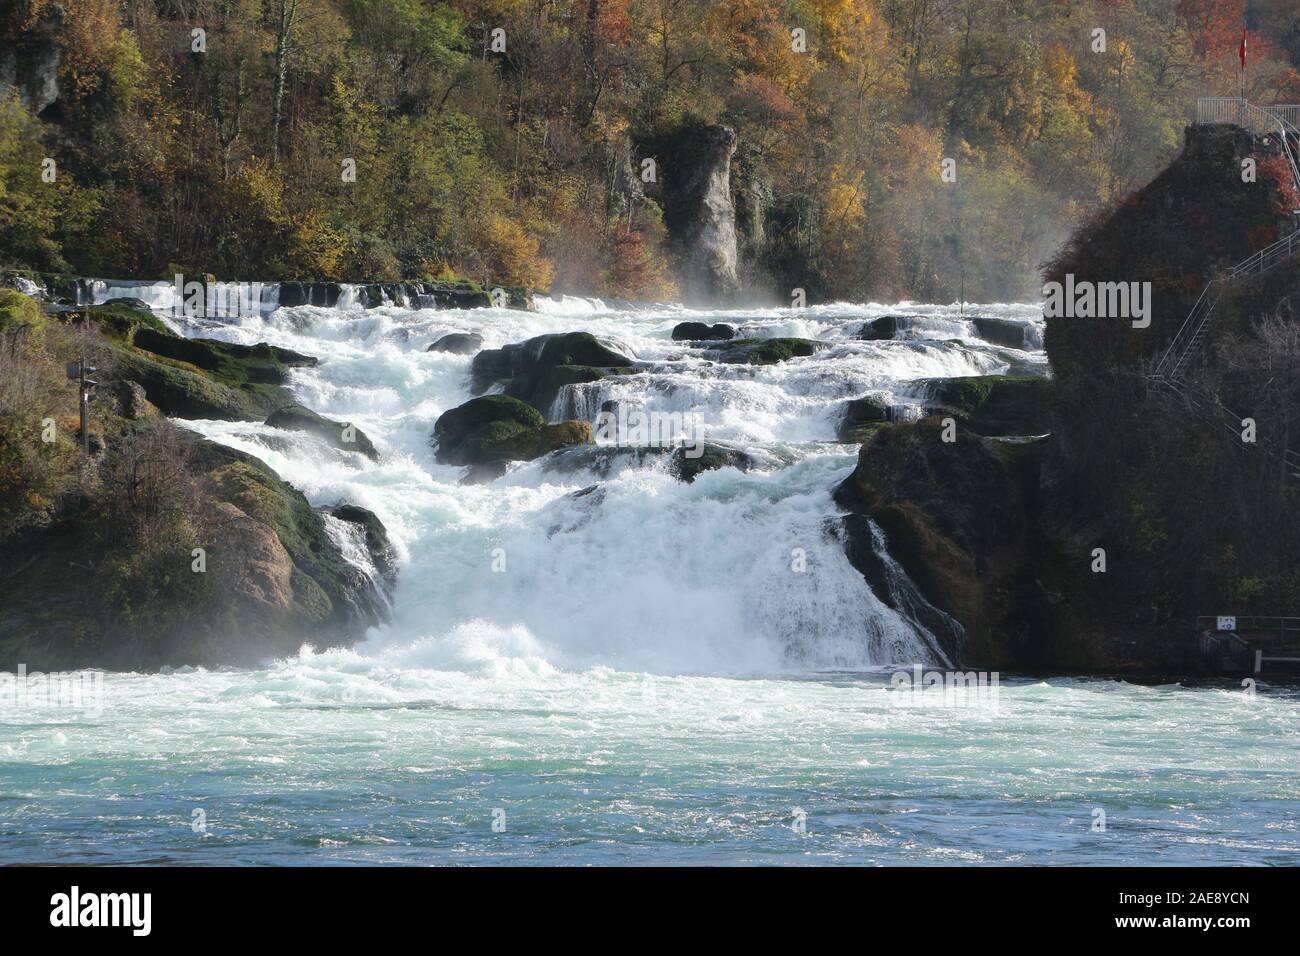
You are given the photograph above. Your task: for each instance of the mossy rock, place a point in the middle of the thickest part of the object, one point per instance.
(324, 584)
(862, 417)
(232, 363)
(687, 466)
(200, 378)
(762, 351)
(119, 319)
(341, 435)
(184, 391)
(535, 370)
(275, 578)
(994, 405)
(496, 428)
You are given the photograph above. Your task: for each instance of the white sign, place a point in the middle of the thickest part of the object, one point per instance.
(1227, 623)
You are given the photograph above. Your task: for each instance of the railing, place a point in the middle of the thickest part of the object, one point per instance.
(1272, 123)
(1212, 411)
(1233, 110)
(1267, 258)
(1218, 109)
(1171, 363)
(1282, 119)
(1273, 624)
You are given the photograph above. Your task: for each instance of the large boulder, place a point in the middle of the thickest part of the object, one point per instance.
(496, 428)
(862, 416)
(702, 331)
(457, 343)
(885, 327)
(196, 378)
(955, 516)
(993, 405)
(272, 576)
(688, 462)
(1005, 332)
(341, 435)
(535, 370)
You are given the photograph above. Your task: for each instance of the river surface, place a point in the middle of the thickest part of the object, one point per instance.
(658, 673)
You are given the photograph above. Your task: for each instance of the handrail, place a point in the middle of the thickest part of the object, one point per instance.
(1249, 109)
(1237, 111)
(1176, 346)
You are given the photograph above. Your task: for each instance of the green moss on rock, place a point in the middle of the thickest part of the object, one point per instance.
(762, 351)
(500, 428)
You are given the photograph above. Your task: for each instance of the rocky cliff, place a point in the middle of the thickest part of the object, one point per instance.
(162, 548)
(694, 188)
(1095, 548)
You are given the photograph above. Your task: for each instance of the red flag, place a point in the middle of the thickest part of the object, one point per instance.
(1242, 51)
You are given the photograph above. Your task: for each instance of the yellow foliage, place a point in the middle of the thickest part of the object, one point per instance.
(513, 256)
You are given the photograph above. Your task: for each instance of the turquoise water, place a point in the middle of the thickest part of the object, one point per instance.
(344, 759)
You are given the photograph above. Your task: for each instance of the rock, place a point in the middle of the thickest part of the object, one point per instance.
(695, 169)
(700, 331)
(275, 578)
(601, 460)
(35, 73)
(439, 295)
(265, 580)
(131, 400)
(1000, 331)
(458, 343)
(862, 416)
(341, 435)
(762, 351)
(484, 473)
(885, 327)
(196, 378)
(956, 518)
(381, 549)
(535, 370)
(993, 405)
(497, 428)
(258, 364)
(686, 467)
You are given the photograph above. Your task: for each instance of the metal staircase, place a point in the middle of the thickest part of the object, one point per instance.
(1283, 121)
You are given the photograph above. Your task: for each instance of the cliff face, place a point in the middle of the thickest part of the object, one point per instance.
(1095, 549)
(1195, 218)
(694, 189)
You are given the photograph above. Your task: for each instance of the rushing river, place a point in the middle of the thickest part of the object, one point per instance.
(640, 675)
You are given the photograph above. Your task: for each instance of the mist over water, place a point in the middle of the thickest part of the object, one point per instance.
(648, 679)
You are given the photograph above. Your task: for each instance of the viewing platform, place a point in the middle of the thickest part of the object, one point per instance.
(1252, 646)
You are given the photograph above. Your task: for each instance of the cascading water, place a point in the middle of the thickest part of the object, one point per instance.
(733, 574)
